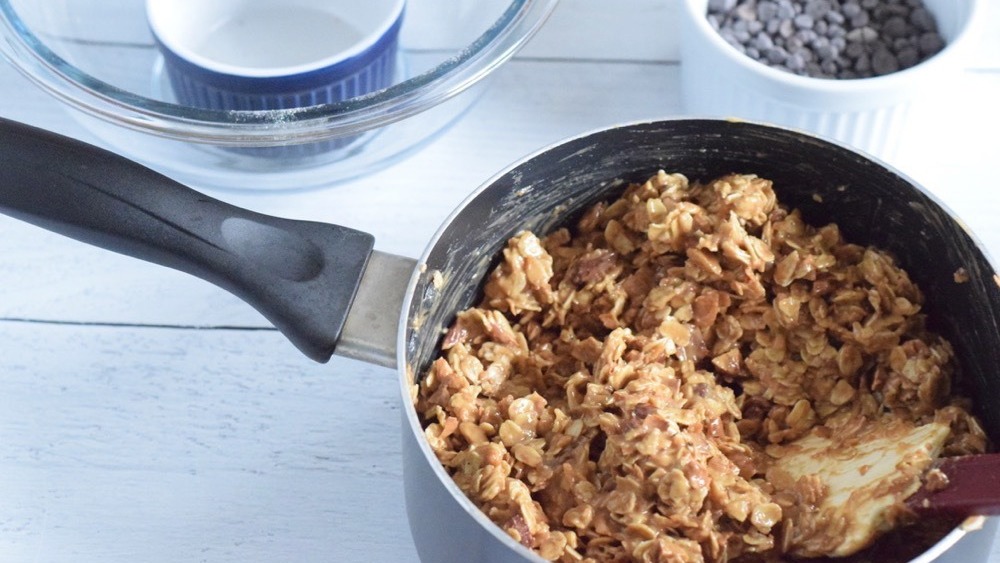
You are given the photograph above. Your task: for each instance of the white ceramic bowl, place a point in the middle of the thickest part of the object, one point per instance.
(100, 58)
(868, 113)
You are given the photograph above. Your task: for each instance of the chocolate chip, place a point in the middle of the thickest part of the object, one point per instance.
(884, 62)
(930, 43)
(829, 38)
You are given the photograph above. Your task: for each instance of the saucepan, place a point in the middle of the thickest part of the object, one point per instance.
(329, 292)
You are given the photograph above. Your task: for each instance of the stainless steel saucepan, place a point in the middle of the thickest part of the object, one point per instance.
(328, 291)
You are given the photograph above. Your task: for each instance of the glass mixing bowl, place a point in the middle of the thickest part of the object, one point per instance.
(100, 59)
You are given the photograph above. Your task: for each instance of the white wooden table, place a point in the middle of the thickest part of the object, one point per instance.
(148, 416)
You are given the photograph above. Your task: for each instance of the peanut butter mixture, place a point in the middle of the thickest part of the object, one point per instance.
(624, 386)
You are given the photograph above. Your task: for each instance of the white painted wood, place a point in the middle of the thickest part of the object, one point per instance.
(123, 444)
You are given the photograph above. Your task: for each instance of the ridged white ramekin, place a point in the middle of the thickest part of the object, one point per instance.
(868, 113)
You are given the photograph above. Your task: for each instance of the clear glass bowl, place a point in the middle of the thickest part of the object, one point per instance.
(99, 57)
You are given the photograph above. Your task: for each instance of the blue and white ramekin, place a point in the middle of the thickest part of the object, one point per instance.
(253, 55)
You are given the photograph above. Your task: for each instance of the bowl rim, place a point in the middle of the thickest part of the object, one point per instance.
(169, 38)
(519, 21)
(695, 10)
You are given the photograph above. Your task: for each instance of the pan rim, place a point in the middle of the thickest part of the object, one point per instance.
(408, 376)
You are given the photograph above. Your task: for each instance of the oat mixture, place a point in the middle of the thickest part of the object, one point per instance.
(624, 387)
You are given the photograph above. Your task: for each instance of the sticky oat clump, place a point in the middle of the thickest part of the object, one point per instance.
(623, 387)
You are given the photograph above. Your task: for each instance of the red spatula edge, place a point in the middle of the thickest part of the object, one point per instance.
(973, 488)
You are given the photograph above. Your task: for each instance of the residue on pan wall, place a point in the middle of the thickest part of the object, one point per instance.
(973, 523)
(430, 291)
(418, 322)
(411, 383)
(516, 178)
(523, 191)
(582, 152)
(437, 284)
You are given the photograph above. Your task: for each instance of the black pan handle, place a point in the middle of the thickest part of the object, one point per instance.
(302, 276)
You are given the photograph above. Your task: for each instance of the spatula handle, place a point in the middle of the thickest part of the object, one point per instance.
(302, 276)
